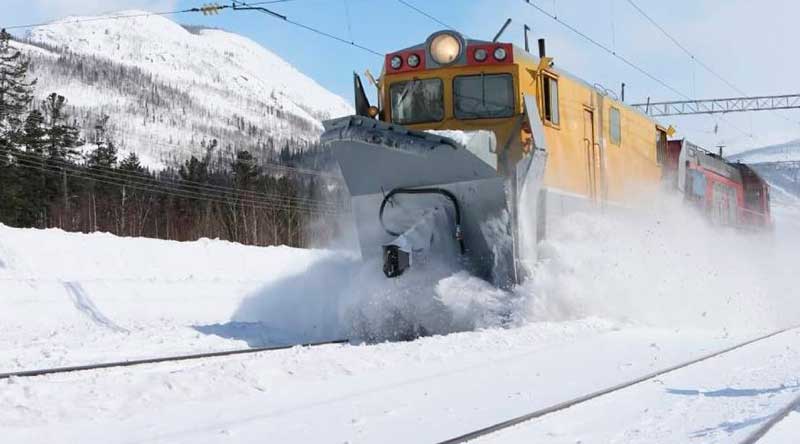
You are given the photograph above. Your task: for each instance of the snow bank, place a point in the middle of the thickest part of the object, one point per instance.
(68, 298)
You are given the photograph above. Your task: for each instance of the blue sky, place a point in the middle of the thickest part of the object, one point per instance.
(749, 43)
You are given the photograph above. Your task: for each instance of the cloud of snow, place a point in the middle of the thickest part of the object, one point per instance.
(340, 296)
(665, 266)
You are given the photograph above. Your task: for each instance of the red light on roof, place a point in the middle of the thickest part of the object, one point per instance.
(490, 48)
(405, 66)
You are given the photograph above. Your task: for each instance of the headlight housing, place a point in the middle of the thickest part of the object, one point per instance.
(396, 62)
(445, 48)
(500, 54)
(481, 54)
(413, 60)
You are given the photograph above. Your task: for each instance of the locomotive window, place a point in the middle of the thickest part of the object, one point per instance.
(661, 146)
(417, 101)
(483, 96)
(614, 126)
(550, 90)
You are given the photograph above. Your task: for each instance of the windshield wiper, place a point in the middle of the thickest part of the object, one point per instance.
(409, 87)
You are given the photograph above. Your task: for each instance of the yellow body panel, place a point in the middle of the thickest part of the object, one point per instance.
(582, 160)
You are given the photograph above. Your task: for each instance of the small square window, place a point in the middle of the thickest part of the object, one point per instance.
(614, 123)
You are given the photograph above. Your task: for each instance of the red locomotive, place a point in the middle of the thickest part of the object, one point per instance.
(728, 193)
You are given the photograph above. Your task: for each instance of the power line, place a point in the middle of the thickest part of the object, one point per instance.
(607, 49)
(130, 16)
(691, 55)
(247, 6)
(183, 182)
(420, 11)
(166, 190)
(103, 18)
(267, 165)
(684, 49)
(616, 55)
(186, 187)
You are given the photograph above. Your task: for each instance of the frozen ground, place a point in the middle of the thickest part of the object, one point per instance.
(612, 298)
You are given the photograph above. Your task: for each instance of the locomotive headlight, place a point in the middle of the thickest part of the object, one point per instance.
(481, 54)
(396, 62)
(413, 60)
(445, 48)
(500, 54)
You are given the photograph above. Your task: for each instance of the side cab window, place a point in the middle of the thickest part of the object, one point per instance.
(550, 99)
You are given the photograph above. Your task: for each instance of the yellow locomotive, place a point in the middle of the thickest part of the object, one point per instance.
(598, 147)
(555, 144)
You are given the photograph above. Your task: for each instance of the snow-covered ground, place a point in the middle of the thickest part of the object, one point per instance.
(612, 298)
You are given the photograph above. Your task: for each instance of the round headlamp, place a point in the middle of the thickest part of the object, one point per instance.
(500, 54)
(481, 54)
(413, 60)
(445, 48)
(396, 62)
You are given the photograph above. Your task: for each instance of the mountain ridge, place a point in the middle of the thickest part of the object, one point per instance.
(170, 88)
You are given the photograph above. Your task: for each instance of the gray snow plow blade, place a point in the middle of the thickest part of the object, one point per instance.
(484, 211)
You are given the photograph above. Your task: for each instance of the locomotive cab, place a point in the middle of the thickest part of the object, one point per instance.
(453, 83)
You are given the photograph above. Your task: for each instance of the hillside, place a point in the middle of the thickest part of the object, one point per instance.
(783, 152)
(170, 88)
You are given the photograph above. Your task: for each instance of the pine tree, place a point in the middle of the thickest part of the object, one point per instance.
(62, 137)
(33, 137)
(105, 153)
(132, 164)
(245, 170)
(16, 92)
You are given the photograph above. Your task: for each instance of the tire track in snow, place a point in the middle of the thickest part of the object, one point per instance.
(85, 305)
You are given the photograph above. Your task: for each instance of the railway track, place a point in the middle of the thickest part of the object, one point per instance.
(488, 430)
(777, 418)
(176, 358)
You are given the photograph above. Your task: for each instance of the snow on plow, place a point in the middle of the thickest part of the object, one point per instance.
(420, 196)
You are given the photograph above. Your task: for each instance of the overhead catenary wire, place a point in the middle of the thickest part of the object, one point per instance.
(239, 5)
(420, 11)
(691, 55)
(616, 55)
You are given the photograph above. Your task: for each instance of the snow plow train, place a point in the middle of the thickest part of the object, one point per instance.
(476, 146)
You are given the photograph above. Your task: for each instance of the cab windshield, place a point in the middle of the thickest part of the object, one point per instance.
(417, 101)
(483, 96)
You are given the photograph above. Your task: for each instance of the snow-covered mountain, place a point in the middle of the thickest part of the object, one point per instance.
(779, 165)
(783, 152)
(168, 87)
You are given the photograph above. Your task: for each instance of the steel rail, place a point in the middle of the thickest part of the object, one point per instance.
(77, 368)
(778, 417)
(581, 399)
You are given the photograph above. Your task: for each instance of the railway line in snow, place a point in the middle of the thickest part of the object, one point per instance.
(540, 413)
(762, 431)
(158, 360)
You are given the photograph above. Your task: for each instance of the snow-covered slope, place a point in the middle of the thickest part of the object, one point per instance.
(783, 152)
(168, 87)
